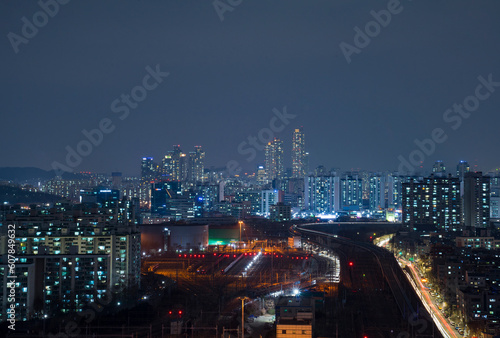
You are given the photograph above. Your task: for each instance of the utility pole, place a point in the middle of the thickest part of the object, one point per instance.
(240, 222)
(243, 316)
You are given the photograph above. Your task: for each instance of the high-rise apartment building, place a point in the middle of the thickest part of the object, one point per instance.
(432, 201)
(253, 197)
(351, 192)
(274, 160)
(174, 165)
(319, 194)
(72, 253)
(196, 164)
(476, 200)
(495, 203)
(377, 192)
(148, 175)
(298, 154)
(462, 169)
(178, 166)
(394, 190)
(148, 169)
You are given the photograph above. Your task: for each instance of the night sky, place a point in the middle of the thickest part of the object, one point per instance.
(226, 77)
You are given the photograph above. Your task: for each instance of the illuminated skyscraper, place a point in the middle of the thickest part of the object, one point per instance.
(175, 165)
(196, 164)
(298, 154)
(147, 169)
(148, 174)
(261, 175)
(274, 160)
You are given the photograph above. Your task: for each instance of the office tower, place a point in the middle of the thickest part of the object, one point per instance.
(462, 169)
(319, 194)
(351, 192)
(476, 200)
(196, 164)
(161, 192)
(432, 201)
(377, 192)
(274, 160)
(168, 199)
(208, 195)
(298, 154)
(439, 167)
(261, 175)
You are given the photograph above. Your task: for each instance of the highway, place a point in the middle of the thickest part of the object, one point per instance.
(439, 320)
(364, 268)
(444, 327)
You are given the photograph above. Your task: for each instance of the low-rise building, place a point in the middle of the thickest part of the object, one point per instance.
(294, 317)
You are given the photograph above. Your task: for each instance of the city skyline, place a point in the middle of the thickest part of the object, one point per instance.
(252, 168)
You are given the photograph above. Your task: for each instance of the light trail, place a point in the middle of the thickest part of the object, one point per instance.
(441, 322)
(426, 299)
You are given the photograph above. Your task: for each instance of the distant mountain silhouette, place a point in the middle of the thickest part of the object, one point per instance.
(30, 175)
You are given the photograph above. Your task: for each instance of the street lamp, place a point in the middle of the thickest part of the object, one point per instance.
(243, 316)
